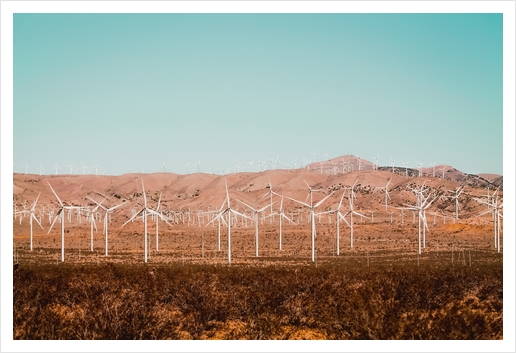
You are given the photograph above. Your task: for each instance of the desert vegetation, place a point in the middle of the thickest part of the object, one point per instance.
(344, 299)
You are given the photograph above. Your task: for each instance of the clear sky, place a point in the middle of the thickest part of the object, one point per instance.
(131, 91)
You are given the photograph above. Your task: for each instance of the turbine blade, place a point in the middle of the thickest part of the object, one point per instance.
(320, 202)
(133, 217)
(115, 207)
(267, 206)
(302, 203)
(36, 219)
(58, 199)
(242, 202)
(34, 205)
(55, 219)
(144, 196)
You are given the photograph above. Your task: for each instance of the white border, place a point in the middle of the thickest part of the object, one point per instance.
(7, 10)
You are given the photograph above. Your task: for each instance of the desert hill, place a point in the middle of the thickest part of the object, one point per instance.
(201, 191)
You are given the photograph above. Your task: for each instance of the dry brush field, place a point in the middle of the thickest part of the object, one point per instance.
(357, 296)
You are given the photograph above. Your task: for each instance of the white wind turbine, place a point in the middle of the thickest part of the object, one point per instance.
(312, 208)
(459, 191)
(352, 212)
(406, 168)
(250, 165)
(164, 166)
(256, 221)
(339, 217)
(387, 192)
(145, 211)
(41, 169)
(237, 166)
(392, 163)
(227, 211)
(281, 216)
(26, 167)
(84, 168)
(60, 212)
(32, 216)
(420, 169)
(156, 217)
(93, 223)
(56, 168)
(494, 208)
(198, 164)
(269, 193)
(433, 168)
(106, 215)
(71, 168)
(375, 167)
(421, 206)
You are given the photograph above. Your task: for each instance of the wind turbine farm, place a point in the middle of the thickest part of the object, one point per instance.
(180, 198)
(258, 176)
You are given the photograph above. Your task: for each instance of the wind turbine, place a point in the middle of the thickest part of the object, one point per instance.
(376, 162)
(459, 191)
(406, 170)
(250, 165)
(41, 169)
(352, 212)
(387, 192)
(60, 212)
(83, 168)
(433, 169)
(255, 214)
(164, 166)
(269, 193)
(32, 216)
(144, 211)
(198, 166)
(495, 209)
(339, 217)
(421, 206)
(56, 168)
(107, 211)
(312, 208)
(281, 216)
(420, 169)
(93, 223)
(392, 163)
(227, 211)
(157, 216)
(26, 167)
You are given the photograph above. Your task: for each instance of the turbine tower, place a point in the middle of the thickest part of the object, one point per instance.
(60, 212)
(312, 208)
(227, 211)
(32, 216)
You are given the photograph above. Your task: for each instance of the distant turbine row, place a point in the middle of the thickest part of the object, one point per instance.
(325, 166)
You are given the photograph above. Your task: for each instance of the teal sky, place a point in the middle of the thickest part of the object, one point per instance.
(131, 91)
